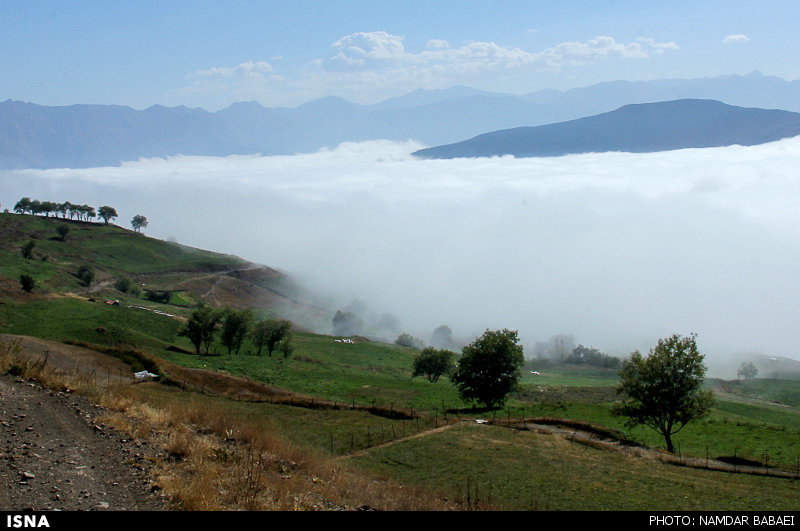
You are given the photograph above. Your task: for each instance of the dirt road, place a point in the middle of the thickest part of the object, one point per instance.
(53, 455)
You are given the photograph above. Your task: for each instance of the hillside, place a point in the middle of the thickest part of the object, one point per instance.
(152, 266)
(638, 128)
(332, 424)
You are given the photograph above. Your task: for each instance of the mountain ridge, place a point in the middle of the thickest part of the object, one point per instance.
(636, 128)
(90, 135)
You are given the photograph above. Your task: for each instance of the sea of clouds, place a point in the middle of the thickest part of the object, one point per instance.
(617, 249)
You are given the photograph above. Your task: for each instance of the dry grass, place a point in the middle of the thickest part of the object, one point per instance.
(210, 459)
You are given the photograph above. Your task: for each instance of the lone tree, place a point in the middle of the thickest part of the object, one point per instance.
(433, 363)
(62, 231)
(747, 371)
(489, 367)
(27, 283)
(139, 222)
(27, 249)
(107, 213)
(347, 324)
(664, 391)
(407, 340)
(85, 274)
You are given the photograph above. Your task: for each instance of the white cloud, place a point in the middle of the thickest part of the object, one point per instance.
(381, 50)
(738, 38)
(370, 66)
(617, 249)
(437, 44)
(378, 63)
(247, 69)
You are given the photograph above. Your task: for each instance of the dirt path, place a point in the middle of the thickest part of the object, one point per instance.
(53, 456)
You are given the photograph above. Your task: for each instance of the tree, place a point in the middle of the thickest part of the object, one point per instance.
(27, 249)
(235, 325)
(433, 363)
(123, 284)
(270, 333)
(27, 283)
(747, 371)
(489, 367)
(664, 390)
(62, 231)
(138, 222)
(407, 340)
(23, 206)
(85, 274)
(347, 324)
(581, 355)
(200, 327)
(107, 213)
(442, 337)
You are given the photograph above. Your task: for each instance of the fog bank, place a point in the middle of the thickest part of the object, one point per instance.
(616, 249)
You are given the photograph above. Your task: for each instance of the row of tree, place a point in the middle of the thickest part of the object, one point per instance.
(486, 372)
(663, 390)
(233, 327)
(74, 211)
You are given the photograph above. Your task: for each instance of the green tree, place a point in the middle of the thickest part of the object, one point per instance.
(664, 391)
(747, 370)
(123, 284)
(347, 323)
(23, 206)
(107, 213)
(139, 222)
(433, 363)
(270, 333)
(407, 340)
(200, 327)
(27, 283)
(27, 249)
(62, 231)
(489, 367)
(85, 274)
(235, 326)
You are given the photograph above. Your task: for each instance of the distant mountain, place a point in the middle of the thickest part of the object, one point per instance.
(645, 127)
(37, 136)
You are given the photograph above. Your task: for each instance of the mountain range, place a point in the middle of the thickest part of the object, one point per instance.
(85, 135)
(636, 128)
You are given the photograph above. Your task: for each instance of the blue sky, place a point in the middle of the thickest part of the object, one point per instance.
(210, 54)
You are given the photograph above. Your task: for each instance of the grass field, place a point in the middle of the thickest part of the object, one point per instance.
(522, 470)
(757, 420)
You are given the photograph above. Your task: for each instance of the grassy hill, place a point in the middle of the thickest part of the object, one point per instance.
(356, 405)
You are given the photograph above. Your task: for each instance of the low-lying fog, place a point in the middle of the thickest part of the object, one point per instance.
(616, 249)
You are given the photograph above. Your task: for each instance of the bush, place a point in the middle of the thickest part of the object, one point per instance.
(407, 340)
(27, 282)
(124, 284)
(62, 231)
(85, 274)
(27, 249)
(163, 296)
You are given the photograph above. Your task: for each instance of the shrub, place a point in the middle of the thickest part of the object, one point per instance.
(27, 282)
(85, 274)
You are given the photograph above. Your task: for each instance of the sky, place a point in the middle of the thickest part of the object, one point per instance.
(210, 54)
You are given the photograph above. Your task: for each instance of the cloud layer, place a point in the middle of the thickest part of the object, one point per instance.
(376, 65)
(617, 249)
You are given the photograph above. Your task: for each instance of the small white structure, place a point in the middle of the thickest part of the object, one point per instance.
(143, 375)
(535, 372)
